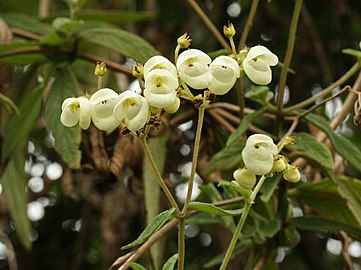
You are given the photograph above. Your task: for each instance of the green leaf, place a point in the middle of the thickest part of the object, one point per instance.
(260, 94)
(265, 227)
(314, 223)
(170, 263)
(313, 150)
(158, 147)
(67, 139)
(214, 210)
(350, 190)
(211, 192)
(269, 186)
(353, 52)
(136, 266)
(13, 182)
(123, 42)
(27, 23)
(228, 158)
(325, 200)
(154, 226)
(19, 127)
(343, 146)
(21, 53)
(236, 136)
(206, 219)
(235, 186)
(9, 104)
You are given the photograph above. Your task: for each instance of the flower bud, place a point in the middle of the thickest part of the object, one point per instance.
(290, 140)
(100, 69)
(174, 107)
(184, 41)
(279, 164)
(229, 30)
(138, 71)
(245, 178)
(292, 174)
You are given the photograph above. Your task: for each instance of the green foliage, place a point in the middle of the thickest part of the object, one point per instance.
(214, 210)
(260, 93)
(67, 140)
(14, 183)
(27, 23)
(154, 226)
(246, 193)
(170, 263)
(136, 266)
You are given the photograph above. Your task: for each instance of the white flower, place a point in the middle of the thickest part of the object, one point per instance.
(102, 103)
(245, 178)
(258, 154)
(74, 111)
(132, 109)
(193, 69)
(292, 174)
(174, 107)
(160, 88)
(257, 64)
(159, 62)
(225, 71)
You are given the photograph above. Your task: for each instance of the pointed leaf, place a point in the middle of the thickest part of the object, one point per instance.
(170, 263)
(314, 223)
(13, 182)
(235, 186)
(67, 139)
(136, 266)
(343, 146)
(214, 210)
(313, 150)
(19, 126)
(26, 22)
(154, 226)
(269, 186)
(123, 42)
(260, 94)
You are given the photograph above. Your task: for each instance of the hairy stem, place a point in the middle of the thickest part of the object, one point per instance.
(157, 173)
(181, 242)
(209, 24)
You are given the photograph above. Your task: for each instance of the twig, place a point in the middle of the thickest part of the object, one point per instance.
(247, 27)
(222, 121)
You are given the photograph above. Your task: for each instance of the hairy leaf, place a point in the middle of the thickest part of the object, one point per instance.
(27, 23)
(19, 126)
(67, 139)
(214, 210)
(343, 146)
(14, 183)
(154, 226)
(170, 263)
(123, 42)
(235, 186)
(313, 150)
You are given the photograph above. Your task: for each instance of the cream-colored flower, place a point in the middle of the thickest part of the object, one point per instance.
(74, 111)
(292, 174)
(257, 64)
(245, 178)
(132, 109)
(160, 88)
(193, 69)
(258, 154)
(102, 103)
(174, 107)
(225, 71)
(159, 62)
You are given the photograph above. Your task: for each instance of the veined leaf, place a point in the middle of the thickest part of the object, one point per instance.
(27, 23)
(19, 126)
(170, 263)
(214, 210)
(314, 223)
(14, 183)
(343, 146)
(260, 94)
(154, 226)
(313, 150)
(235, 186)
(123, 42)
(136, 266)
(269, 186)
(67, 139)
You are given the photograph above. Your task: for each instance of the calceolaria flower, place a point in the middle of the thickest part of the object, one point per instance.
(193, 69)
(258, 154)
(225, 71)
(132, 109)
(280, 164)
(292, 174)
(245, 178)
(160, 88)
(74, 111)
(159, 62)
(174, 107)
(102, 103)
(257, 64)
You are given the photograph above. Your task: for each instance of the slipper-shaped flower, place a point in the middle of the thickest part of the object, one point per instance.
(159, 62)
(74, 111)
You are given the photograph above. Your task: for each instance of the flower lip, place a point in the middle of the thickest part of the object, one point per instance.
(102, 95)
(159, 77)
(193, 55)
(159, 62)
(263, 53)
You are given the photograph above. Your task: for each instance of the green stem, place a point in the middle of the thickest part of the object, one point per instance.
(100, 82)
(326, 91)
(209, 24)
(157, 173)
(195, 156)
(287, 60)
(181, 242)
(248, 204)
(247, 27)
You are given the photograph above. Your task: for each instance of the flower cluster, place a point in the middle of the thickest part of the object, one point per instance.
(164, 83)
(260, 156)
